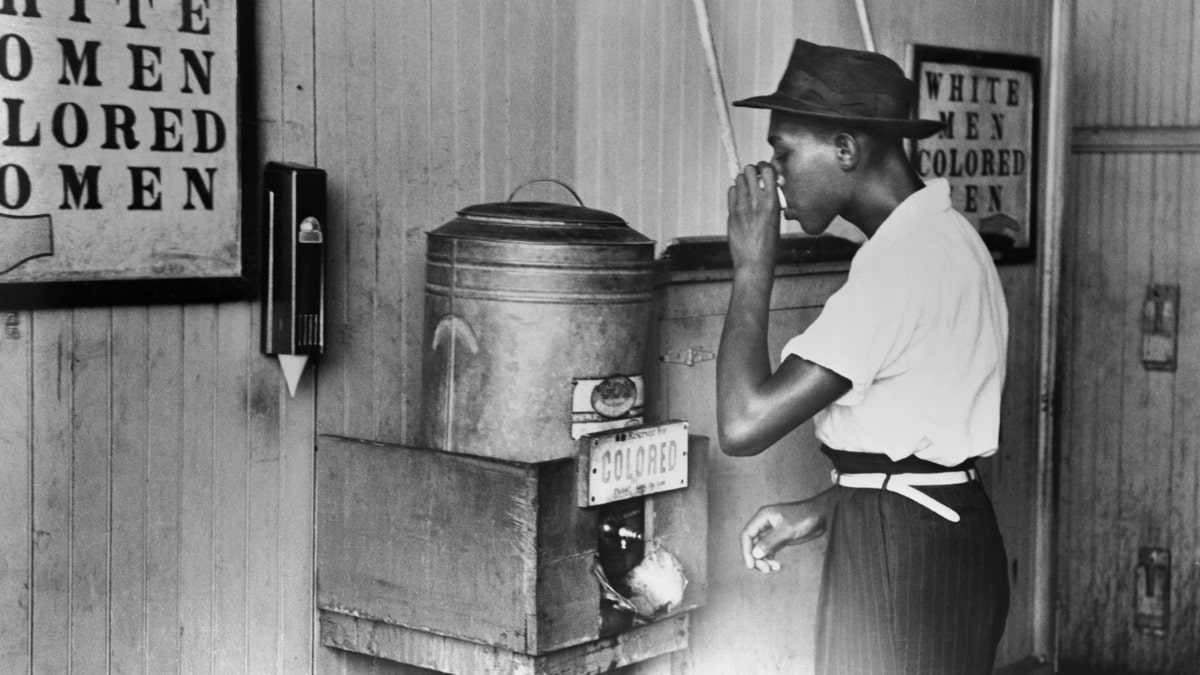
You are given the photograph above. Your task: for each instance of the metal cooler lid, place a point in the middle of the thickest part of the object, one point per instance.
(541, 222)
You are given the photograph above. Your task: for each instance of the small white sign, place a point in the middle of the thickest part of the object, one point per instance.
(600, 404)
(634, 462)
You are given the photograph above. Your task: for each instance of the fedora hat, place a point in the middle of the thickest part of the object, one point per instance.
(862, 89)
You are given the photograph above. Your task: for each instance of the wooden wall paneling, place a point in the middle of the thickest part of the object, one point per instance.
(334, 155)
(463, 68)
(1066, 555)
(346, 134)
(1091, 18)
(697, 99)
(197, 526)
(671, 22)
(392, 356)
(1183, 483)
(89, 505)
(51, 389)
(1172, 74)
(279, 514)
(264, 596)
(1191, 64)
(1176, 107)
(1164, 225)
(130, 489)
(1009, 475)
(565, 103)
(285, 121)
(713, 179)
(416, 215)
(647, 167)
(1107, 112)
(280, 430)
(1076, 550)
(554, 73)
(497, 177)
(1125, 26)
(16, 499)
(589, 39)
(236, 348)
(297, 625)
(164, 483)
(289, 71)
(361, 218)
(1138, 458)
(466, 114)
(1147, 28)
(526, 50)
(741, 62)
(625, 61)
(836, 23)
(1122, 83)
(1128, 480)
(1111, 361)
(1087, 347)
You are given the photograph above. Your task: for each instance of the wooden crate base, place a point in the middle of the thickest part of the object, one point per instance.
(460, 657)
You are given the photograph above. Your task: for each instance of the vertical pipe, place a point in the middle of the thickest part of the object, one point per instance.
(865, 24)
(714, 76)
(1058, 130)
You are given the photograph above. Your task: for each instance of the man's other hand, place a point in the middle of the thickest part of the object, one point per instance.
(778, 525)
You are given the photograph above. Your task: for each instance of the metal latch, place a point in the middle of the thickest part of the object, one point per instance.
(688, 357)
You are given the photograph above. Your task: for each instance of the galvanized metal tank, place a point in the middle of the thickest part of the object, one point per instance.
(537, 316)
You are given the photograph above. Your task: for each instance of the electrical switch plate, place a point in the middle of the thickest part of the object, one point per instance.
(1152, 607)
(1160, 321)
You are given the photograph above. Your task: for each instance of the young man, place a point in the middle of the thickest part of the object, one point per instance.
(902, 372)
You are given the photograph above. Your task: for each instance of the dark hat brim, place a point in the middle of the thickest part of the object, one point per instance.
(905, 128)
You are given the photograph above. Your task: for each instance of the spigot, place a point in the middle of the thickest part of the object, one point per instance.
(623, 533)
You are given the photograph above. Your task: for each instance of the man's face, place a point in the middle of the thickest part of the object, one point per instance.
(809, 174)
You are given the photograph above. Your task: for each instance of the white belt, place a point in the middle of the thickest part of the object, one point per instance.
(905, 484)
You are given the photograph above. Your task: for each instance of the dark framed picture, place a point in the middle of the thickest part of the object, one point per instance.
(123, 177)
(988, 150)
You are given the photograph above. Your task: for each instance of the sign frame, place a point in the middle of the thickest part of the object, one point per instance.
(1010, 239)
(588, 462)
(71, 289)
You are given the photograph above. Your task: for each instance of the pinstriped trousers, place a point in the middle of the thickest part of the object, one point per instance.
(906, 591)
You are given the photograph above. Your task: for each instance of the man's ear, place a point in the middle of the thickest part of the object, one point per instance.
(848, 151)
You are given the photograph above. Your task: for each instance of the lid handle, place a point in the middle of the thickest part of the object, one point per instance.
(546, 180)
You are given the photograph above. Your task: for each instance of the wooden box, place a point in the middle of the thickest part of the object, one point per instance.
(454, 562)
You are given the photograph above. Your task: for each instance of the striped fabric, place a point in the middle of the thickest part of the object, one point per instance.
(908, 592)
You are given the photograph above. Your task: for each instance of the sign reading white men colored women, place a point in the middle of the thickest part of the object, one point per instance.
(120, 140)
(987, 150)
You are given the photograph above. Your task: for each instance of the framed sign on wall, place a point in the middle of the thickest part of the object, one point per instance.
(124, 152)
(988, 150)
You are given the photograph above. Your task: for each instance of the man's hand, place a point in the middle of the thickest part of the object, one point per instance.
(779, 525)
(754, 217)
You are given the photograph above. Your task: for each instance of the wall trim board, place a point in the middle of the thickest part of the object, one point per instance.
(1135, 139)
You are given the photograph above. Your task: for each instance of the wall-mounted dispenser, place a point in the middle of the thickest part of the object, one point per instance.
(293, 298)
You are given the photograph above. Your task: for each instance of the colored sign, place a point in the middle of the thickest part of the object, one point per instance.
(633, 462)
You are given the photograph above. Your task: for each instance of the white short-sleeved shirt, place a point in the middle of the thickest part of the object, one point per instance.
(920, 328)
